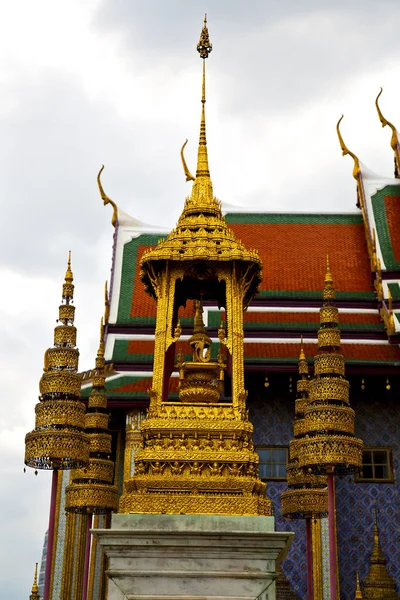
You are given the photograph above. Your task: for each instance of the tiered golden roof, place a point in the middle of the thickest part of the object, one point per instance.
(328, 418)
(378, 585)
(58, 440)
(35, 588)
(306, 497)
(201, 232)
(92, 490)
(197, 454)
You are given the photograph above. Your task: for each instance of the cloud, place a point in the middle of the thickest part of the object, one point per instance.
(118, 83)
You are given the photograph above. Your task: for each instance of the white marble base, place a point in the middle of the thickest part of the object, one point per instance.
(192, 557)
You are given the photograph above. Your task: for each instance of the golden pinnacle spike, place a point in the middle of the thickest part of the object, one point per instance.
(204, 47)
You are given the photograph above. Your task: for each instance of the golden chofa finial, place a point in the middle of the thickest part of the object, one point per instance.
(35, 588)
(394, 142)
(358, 589)
(188, 175)
(106, 199)
(345, 150)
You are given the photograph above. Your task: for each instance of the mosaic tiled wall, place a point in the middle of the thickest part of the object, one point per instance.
(378, 424)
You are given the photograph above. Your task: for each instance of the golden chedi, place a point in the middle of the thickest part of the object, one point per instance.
(328, 418)
(379, 584)
(307, 495)
(92, 490)
(197, 455)
(58, 440)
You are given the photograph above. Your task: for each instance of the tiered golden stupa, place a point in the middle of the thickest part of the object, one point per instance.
(92, 490)
(58, 441)
(328, 418)
(197, 454)
(307, 495)
(378, 585)
(35, 588)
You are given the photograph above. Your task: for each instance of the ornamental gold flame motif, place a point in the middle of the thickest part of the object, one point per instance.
(379, 584)
(92, 490)
(58, 440)
(328, 432)
(197, 455)
(307, 495)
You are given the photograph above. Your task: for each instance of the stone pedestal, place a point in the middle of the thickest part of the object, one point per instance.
(192, 557)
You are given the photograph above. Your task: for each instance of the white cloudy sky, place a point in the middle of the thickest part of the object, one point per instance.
(118, 82)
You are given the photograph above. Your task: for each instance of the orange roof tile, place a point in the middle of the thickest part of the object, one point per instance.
(360, 352)
(294, 254)
(392, 205)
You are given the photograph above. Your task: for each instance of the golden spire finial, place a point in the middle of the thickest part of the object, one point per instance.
(394, 141)
(358, 589)
(204, 47)
(68, 287)
(35, 588)
(69, 277)
(106, 199)
(302, 355)
(345, 150)
(329, 290)
(303, 365)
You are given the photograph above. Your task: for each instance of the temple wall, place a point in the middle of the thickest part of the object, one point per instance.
(377, 424)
